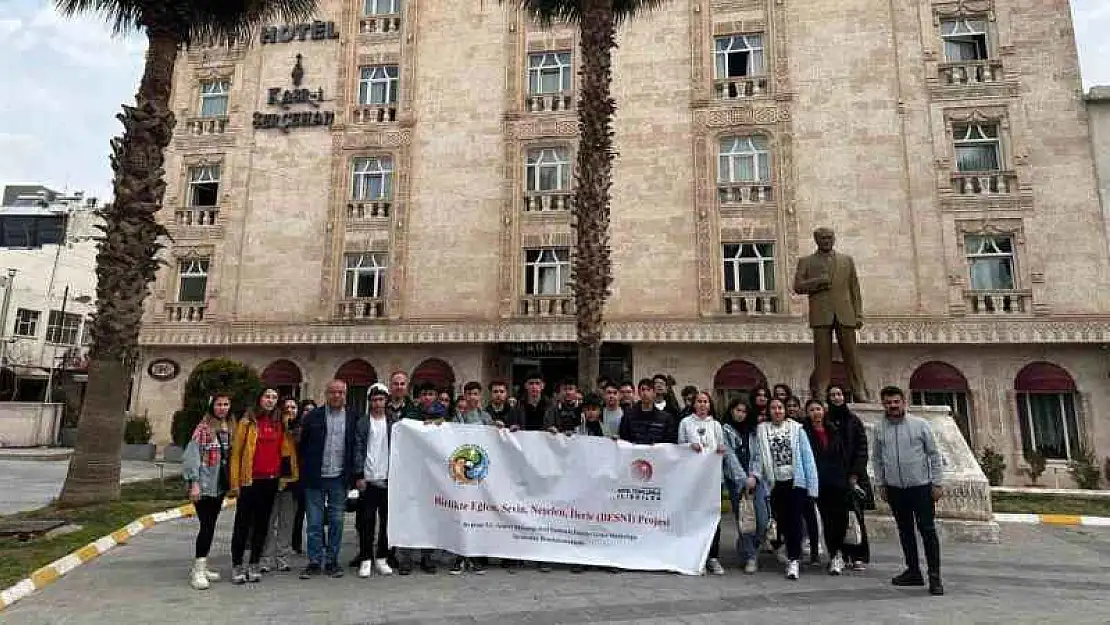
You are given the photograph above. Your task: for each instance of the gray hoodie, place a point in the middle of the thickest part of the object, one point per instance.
(905, 453)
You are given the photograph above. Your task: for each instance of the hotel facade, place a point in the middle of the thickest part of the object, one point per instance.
(388, 188)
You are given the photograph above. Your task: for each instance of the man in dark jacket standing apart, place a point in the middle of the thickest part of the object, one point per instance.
(327, 452)
(644, 423)
(908, 469)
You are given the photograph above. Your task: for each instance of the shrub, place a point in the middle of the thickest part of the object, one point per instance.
(218, 375)
(1084, 469)
(1037, 465)
(137, 431)
(993, 465)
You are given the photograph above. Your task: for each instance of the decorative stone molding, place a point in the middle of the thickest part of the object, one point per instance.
(360, 140)
(962, 8)
(560, 126)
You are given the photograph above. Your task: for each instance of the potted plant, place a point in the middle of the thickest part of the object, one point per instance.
(993, 465)
(1083, 468)
(136, 440)
(1036, 467)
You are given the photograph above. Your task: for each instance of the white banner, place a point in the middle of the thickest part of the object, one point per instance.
(480, 491)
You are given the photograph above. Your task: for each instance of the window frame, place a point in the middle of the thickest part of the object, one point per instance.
(761, 156)
(372, 7)
(30, 326)
(563, 66)
(60, 325)
(362, 178)
(391, 81)
(199, 269)
(968, 141)
(535, 163)
(223, 93)
(535, 267)
(732, 264)
(353, 275)
(1065, 401)
(721, 56)
(967, 32)
(970, 258)
(198, 175)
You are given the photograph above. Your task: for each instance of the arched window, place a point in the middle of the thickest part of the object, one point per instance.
(436, 371)
(283, 376)
(359, 375)
(940, 384)
(736, 379)
(1047, 416)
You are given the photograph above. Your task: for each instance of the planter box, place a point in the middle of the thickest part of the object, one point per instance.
(68, 438)
(173, 453)
(139, 452)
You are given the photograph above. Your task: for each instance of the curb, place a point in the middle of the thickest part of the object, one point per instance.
(1069, 520)
(57, 569)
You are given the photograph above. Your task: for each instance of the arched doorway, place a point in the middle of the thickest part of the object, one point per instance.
(359, 376)
(1047, 401)
(937, 383)
(437, 372)
(736, 379)
(284, 376)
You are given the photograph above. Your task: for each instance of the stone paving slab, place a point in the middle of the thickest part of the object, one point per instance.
(1039, 574)
(33, 484)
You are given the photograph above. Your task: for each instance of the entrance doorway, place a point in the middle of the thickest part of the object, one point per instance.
(559, 361)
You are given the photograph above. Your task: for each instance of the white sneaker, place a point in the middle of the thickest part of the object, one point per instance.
(751, 566)
(381, 565)
(365, 568)
(197, 579)
(238, 575)
(211, 575)
(836, 565)
(792, 568)
(713, 565)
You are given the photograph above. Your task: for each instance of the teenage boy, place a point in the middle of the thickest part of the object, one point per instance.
(429, 410)
(612, 412)
(472, 414)
(498, 406)
(628, 394)
(645, 423)
(372, 441)
(531, 413)
(565, 414)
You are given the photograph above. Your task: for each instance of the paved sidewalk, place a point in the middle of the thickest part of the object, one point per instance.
(1039, 574)
(30, 484)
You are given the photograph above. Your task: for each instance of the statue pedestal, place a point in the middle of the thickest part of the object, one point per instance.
(964, 514)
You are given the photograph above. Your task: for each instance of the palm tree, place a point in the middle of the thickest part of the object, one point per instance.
(126, 261)
(592, 270)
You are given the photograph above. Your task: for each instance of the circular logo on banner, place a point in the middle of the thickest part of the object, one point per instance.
(468, 464)
(641, 470)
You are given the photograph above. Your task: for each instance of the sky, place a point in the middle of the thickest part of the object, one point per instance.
(65, 80)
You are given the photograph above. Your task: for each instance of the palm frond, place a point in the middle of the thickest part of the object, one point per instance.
(547, 11)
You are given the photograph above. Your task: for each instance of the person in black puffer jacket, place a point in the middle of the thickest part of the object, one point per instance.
(644, 423)
(853, 435)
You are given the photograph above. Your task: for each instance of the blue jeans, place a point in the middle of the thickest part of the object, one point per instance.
(748, 544)
(332, 494)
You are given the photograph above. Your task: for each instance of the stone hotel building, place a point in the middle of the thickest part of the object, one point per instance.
(388, 188)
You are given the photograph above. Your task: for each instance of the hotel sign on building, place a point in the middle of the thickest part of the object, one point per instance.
(299, 97)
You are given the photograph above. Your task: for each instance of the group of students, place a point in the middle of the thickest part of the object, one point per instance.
(784, 463)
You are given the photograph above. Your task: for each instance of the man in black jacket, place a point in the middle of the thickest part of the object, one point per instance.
(531, 412)
(644, 423)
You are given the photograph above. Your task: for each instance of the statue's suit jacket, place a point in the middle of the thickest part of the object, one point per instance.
(841, 302)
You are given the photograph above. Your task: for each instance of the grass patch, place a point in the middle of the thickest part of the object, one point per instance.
(18, 559)
(1024, 503)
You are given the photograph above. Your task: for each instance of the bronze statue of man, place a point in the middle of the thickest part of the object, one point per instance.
(835, 306)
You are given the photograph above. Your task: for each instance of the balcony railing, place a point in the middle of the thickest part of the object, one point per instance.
(362, 211)
(374, 114)
(740, 87)
(196, 216)
(378, 24)
(959, 73)
(984, 183)
(359, 308)
(548, 201)
(549, 102)
(185, 312)
(201, 126)
(547, 305)
(751, 303)
(998, 302)
(737, 193)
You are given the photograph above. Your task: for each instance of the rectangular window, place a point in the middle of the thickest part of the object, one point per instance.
(213, 98)
(26, 322)
(964, 40)
(378, 85)
(549, 72)
(548, 169)
(749, 267)
(365, 275)
(28, 231)
(991, 262)
(739, 55)
(1048, 424)
(977, 147)
(372, 179)
(382, 7)
(192, 280)
(547, 271)
(744, 159)
(204, 185)
(62, 328)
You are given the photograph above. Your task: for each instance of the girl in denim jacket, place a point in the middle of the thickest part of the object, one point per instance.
(739, 430)
(205, 469)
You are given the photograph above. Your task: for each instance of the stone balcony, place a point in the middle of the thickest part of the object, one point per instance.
(984, 183)
(204, 126)
(964, 73)
(549, 102)
(196, 216)
(374, 114)
(740, 87)
(541, 306)
(360, 309)
(369, 211)
(185, 312)
(998, 302)
(379, 24)
(548, 201)
(751, 303)
(740, 194)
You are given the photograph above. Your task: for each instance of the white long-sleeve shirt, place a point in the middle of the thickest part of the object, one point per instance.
(707, 431)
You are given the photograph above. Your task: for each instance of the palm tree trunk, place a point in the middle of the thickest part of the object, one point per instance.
(592, 264)
(125, 266)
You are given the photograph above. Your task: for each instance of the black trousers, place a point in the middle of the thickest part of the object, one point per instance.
(298, 521)
(208, 511)
(833, 504)
(252, 519)
(787, 505)
(812, 529)
(715, 546)
(912, 507)
(373, 507)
